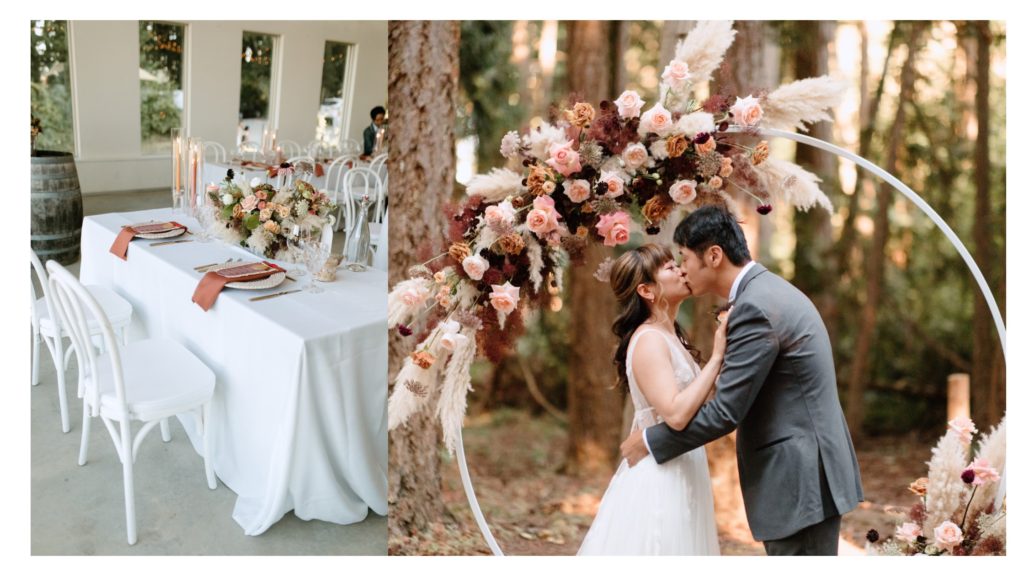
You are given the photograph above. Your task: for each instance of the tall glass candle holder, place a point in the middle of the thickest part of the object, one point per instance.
(177, 169)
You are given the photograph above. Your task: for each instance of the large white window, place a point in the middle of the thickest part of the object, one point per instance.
(51, 85)
(161, 66)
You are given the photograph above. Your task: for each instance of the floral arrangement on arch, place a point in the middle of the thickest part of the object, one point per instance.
(597, 174)
(257, 215)
(962, 511)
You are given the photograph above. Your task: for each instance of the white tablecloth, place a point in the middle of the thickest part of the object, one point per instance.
(299, 412)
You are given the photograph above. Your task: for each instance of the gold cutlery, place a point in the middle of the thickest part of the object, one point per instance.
(206, 267)
(166, 242)
(274, 295)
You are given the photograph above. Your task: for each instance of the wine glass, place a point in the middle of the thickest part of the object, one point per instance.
(294, 243)
(316, 248)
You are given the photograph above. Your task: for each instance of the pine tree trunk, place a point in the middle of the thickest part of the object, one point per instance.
(814, 273)
(877, 258)
(423, 62)
(595, 406)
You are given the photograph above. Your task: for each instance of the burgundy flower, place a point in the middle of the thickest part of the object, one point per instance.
(701, 138)
(404, 330)
(968, 476)
(652, 230)
(764, 209)
(872, 536)
(723, 126)
(230, 176)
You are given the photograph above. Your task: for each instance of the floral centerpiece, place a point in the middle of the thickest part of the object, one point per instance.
(258, 216)
(962, 509)
(594, 174)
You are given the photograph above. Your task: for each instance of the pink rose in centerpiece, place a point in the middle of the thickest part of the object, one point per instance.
(657, 120)
(635, 156)
(616, 185)
(505, 297)
(746, 111)
(676, 74)
(948, 535)
(415, 295)
(249, 203)
(614, 228)
(564, 159)
(983, 473)
(629, 104)
(908, 532)
(963, 426)
(475, 266)
(683, 191)
(577, 190)
(501, 214)
(543, 218)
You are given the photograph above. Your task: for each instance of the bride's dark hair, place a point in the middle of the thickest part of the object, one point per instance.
(636, 267)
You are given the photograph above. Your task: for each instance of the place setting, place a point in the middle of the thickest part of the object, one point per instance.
(148, 231)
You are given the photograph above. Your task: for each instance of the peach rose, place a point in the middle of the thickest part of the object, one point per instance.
(964, 427)
(629, 104)
(616, 185)
(919, 486)
(983, 473)
(548, 187)
(908, 532)
(705, 148)
(581, 114)
(635, 156)
(726, 169)
(676, 145)
(504, 298)
(676, 74)
(440, 276)
(948, 535)
(564, 159)
(577, 190)
(499, 214)
(249, 203)
(266, 213)
(415, 295)
(450, 341)
(543, 218)
(715, 183)
(657, 120)
(746, 111)
(683, 191)
(614, 228)
(475, 266)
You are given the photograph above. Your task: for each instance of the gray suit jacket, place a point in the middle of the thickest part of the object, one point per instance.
(777, 388)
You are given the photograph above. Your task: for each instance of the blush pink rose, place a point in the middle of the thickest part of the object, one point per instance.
(635, 156)
(577, 190)
(657, 120)
(614, 228)
(683, 191)
(747, 111)
(249, 202)
(676, 74)
(908, 532)
(963, 426)
(948, 535)
(499, 214)
(475, 266)
(543, 218)
(715, 183)
(629, 103)
(983, 473)
(564, 159)
(616, 185)
(415, 295)
(504, 298)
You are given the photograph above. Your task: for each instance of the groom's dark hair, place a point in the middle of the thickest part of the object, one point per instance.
(709, 226)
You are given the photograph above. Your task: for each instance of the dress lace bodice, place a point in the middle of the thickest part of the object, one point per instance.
(683, 366)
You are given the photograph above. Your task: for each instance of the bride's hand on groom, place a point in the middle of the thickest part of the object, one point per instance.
(634, 449)
(718, 352)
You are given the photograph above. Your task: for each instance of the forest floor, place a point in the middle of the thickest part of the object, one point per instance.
(517, 463)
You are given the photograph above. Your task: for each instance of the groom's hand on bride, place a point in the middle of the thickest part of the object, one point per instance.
(634, 449)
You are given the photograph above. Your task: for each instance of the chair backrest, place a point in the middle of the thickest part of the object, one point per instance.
(380, 257)
(40, 273)
(356, 182)
(219, 154)
(380, 165)
(336, 171)
(290, 148)
(73, 304)
(320, 150)
(351, 146)
(248, 151)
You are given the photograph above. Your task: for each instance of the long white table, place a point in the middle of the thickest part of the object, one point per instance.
(299, 412)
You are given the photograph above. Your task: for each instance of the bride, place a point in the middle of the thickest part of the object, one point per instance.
(657, 509)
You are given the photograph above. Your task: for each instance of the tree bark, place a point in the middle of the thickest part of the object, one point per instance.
(984, 393)
(814, 271)
(423, 64)
(876, 260)
(595, 406)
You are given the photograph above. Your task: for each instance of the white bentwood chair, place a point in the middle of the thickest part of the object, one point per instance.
(333, 183)
(218, 153)
(351, 146)
(146, 380)
(290, 148)
(47, 329)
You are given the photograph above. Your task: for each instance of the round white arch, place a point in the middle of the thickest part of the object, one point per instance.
(467, 483)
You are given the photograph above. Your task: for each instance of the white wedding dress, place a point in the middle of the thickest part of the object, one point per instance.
(657, 509)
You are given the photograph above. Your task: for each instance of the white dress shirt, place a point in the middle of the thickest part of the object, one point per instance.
(732, 298)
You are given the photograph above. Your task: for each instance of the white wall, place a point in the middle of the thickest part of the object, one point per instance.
(105, 76)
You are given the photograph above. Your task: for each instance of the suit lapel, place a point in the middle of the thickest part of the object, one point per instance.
(754, 272)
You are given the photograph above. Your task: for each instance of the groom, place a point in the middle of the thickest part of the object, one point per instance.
(798, 471)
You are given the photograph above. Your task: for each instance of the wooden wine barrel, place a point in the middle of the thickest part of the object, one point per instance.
(56, 207)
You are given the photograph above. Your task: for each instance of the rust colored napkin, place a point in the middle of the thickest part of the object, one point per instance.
(120, 246)
(319, 170)
(213, 282)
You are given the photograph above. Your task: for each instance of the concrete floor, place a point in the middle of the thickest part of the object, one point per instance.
(80, 510)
